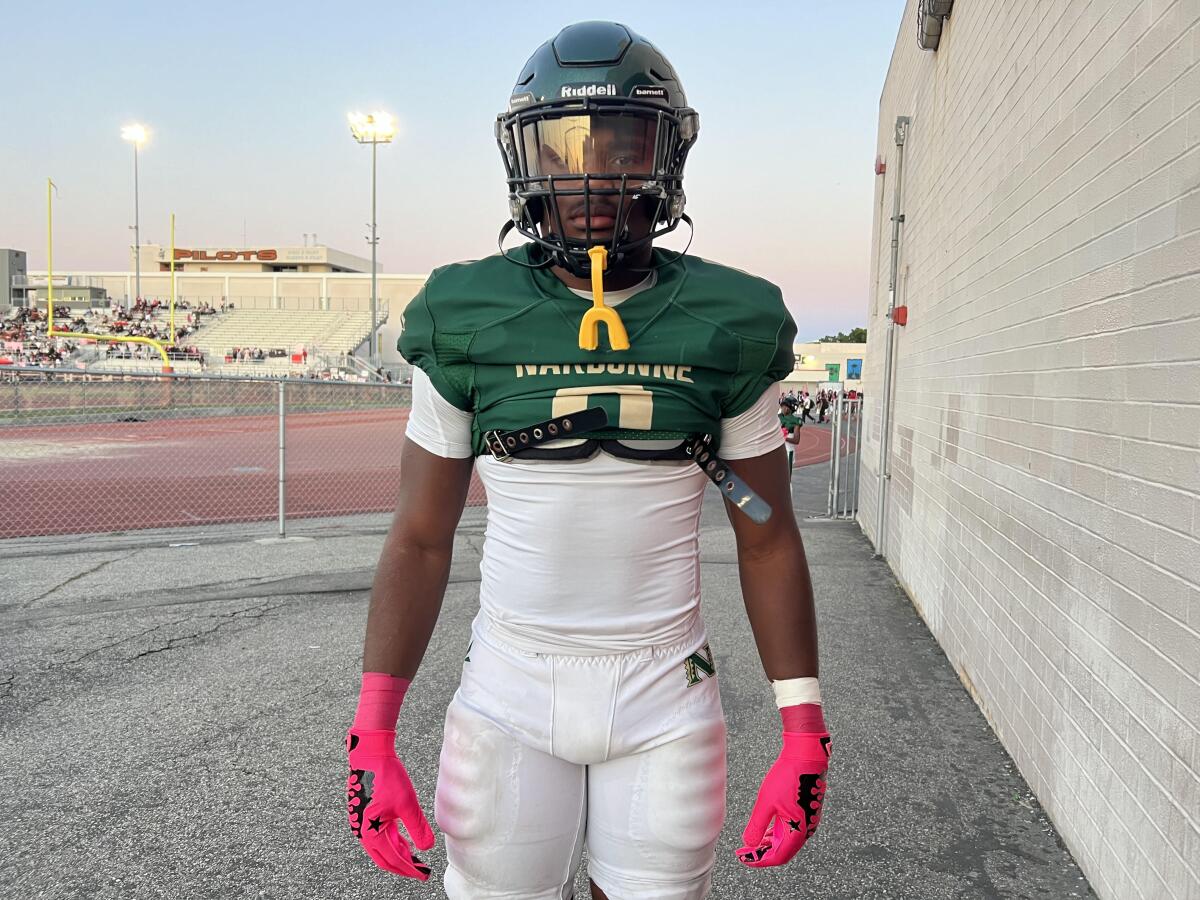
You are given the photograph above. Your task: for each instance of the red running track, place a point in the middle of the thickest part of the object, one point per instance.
(123, 476)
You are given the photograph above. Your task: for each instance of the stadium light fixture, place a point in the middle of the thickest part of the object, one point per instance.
(373, 128)
(136, 135)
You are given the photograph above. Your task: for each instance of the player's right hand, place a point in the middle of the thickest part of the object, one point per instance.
(378, 794)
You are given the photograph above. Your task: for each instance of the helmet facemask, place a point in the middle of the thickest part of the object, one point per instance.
(576, 169)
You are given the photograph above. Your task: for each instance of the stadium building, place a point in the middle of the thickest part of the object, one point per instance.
(826, 365)
(315, 299)
(1031, 456)
(155, 257)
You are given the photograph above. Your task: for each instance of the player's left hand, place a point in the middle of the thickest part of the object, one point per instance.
(792, 793)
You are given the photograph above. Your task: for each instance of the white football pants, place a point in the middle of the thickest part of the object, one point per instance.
(546, 754)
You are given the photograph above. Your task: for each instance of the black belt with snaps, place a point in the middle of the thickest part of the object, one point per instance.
(507, 445)
(504, 445)
(733, 488)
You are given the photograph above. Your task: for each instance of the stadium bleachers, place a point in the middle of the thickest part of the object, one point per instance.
(179, 366)
(328, 337)
(326, 331)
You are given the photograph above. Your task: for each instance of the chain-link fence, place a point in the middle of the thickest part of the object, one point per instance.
(83, 453)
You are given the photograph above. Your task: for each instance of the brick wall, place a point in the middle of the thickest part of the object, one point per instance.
(1043, 509)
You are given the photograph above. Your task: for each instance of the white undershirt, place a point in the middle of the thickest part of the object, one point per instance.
(589, 556)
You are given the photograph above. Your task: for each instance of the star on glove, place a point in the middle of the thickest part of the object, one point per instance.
(791, 794)
(379, 793)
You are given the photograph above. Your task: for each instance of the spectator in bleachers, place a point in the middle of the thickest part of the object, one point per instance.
(26, 335)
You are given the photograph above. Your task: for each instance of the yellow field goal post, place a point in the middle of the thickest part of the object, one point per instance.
(51, 187)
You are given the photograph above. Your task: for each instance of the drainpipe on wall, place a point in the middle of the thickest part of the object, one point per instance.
(885, 422)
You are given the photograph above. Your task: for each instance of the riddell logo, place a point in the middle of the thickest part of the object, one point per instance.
(589, 90)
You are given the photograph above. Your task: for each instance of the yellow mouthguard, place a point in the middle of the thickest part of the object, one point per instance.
(589, 328)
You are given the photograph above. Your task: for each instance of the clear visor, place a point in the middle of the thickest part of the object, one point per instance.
(591, 144)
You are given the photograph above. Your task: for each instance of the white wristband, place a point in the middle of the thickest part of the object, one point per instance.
(793, 691)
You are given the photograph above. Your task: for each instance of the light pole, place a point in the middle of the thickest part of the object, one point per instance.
(136, 134)
(373, 128)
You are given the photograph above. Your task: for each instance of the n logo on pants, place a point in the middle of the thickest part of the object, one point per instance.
(700, 661)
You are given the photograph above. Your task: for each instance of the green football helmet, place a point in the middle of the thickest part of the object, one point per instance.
(597, 123)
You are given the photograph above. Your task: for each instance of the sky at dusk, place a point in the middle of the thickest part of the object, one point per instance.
(246, 106)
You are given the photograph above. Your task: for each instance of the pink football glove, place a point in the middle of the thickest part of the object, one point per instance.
(378, 791)
(792, 794)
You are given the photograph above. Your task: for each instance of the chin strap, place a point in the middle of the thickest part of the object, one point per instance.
(589, 328)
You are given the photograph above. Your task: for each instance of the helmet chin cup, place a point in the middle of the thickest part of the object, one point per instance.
(573, 257)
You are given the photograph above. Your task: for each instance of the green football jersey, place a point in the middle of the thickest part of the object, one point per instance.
(502, 341)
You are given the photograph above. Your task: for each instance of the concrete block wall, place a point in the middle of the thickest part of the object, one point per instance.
(1043, 505)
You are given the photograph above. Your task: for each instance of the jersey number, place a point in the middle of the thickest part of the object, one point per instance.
(636, 403)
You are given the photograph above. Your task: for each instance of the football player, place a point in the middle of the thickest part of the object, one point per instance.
(598, 384)
(789, 426)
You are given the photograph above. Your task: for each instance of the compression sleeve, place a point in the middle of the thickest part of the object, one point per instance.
(754, 432)
(435, 423)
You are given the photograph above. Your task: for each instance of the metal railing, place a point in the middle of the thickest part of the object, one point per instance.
(98, 453)
(844, 458)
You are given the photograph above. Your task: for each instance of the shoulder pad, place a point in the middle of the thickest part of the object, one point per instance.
(467, 296)
(744, 304)
(752, 310)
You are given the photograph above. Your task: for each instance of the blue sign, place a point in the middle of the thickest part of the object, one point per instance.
(853, 369)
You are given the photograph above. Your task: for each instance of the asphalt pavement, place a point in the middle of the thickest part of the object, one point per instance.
(173, 704)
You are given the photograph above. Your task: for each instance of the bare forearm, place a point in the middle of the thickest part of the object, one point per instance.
(774, 573)
(405, 601)
(777, 591)
(415, 563)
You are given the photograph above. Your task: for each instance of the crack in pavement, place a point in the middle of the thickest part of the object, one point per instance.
(60, 672)
(350, 581)
(225, 619)
(74, 578)
(475, 542)
(116, 643)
